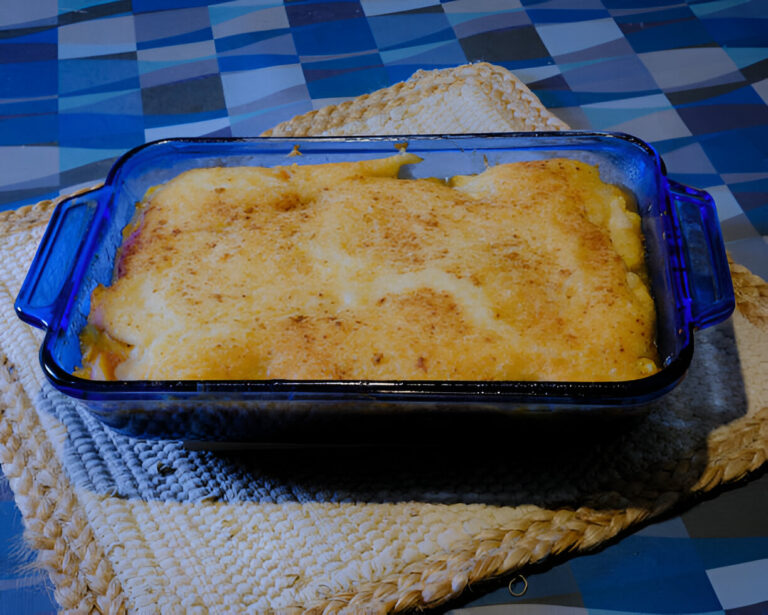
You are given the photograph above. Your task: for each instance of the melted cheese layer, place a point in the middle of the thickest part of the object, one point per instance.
(528, 271)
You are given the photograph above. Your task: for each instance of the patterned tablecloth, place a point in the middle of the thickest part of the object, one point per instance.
(81, 81)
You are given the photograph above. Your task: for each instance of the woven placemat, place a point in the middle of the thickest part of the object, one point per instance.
(156, 527)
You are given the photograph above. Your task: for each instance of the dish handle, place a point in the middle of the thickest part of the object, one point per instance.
(705, 261)
(52, 267)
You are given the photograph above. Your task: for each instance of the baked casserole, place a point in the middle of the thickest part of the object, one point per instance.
(344, 271)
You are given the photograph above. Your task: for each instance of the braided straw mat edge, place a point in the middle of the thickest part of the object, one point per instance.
(111, 555)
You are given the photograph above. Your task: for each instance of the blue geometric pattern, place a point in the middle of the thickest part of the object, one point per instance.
(82, 81)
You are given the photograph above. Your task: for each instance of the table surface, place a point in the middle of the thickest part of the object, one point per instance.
(82, 81)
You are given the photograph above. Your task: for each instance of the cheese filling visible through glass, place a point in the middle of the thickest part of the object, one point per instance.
(527, 271)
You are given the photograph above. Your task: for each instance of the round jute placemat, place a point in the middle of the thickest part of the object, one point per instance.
(156, 527)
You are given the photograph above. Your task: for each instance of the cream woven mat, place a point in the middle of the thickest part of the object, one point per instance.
(151, 527)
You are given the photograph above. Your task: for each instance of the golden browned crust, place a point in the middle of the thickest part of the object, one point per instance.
(526, 271)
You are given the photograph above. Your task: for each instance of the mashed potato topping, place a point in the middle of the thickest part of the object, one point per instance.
(527, 271)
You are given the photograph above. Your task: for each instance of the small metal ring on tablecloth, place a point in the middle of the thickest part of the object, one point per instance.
(515, 581)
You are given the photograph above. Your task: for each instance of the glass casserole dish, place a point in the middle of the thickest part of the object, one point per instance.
(688, 269)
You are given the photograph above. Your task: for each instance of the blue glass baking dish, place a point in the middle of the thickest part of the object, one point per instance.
(690, 278)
